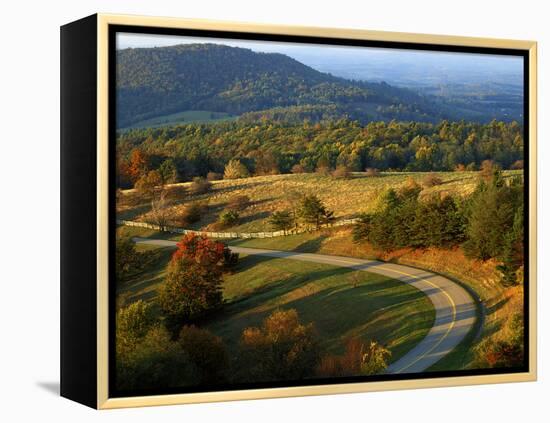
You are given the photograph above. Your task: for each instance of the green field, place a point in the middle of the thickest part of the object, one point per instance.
(342, 303)
(180, 118)
(346, 197)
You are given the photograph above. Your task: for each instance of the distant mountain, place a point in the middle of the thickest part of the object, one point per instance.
(159, 81)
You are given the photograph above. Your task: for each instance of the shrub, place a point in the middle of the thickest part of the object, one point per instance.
(371, 172)
(487, 170)
(199, 186)
(341, 172)
(155, 361)
(460, 168)
(214, 176)
(235, 169)
(358, 359)
(206, 351)
(431, 180)
(238, 203)
(518, 164)
(132, 324)
(298, 168)
(505, 352)
(228, 218)
(323, 170)
(192, 213)
(127, 259)
(281, 349)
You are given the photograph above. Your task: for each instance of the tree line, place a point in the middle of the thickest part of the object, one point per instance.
(183, 152)
(486, 224)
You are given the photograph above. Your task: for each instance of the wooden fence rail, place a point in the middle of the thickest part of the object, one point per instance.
(176, 230)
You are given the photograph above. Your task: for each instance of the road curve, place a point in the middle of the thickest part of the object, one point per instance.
(455, 310)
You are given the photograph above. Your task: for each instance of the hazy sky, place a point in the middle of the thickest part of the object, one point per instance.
(391, 65)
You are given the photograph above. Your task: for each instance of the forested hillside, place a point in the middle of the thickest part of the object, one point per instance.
(154, 82)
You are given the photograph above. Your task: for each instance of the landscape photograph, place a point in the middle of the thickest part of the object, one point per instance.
(291, 213)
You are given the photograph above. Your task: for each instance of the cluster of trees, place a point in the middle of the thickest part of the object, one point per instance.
(282, 348)
(307, 209)
(242, 149)
(173, 351)
(487, 224)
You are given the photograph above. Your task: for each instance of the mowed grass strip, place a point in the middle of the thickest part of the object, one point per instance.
(342, 303)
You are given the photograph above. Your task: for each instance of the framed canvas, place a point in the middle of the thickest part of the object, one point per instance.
(254, 211)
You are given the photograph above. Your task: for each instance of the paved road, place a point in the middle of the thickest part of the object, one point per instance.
(455, 311)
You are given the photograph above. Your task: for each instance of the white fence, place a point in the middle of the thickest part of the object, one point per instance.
(176, 230)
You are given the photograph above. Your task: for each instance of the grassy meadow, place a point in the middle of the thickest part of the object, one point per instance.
(346, 197)
(342, 303)
(187, 116)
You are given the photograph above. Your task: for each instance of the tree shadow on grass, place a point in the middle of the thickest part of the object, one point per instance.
(312, 245)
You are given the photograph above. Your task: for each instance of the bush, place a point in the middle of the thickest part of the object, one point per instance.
(228, 218)
(518, 164)
(127, 259)
(155, 361)
(298, 168)
(206, 351)
(371, 172)
(358, 359)
(506, 352)
(341, 172)
(460, 168)
(132, 324)
(199, 186)
(431, 180)
(323, 170)
(238, 203)
(192, 213)
(282, 349)
(214, 176)
(235, 169)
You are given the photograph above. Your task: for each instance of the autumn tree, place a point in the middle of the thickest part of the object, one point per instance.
(138, 164)
(281, 349)
(147, 183)
(235, 169)
(207, 352)
(192, 287)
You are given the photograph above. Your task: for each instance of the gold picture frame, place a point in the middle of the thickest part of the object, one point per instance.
(102, 22)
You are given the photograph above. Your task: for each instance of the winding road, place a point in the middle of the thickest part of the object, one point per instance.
(455, 309)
